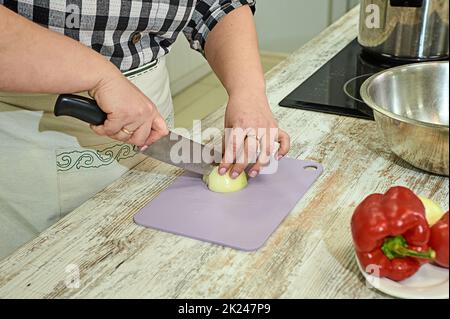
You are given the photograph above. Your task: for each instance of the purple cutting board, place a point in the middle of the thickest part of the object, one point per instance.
(243, 220)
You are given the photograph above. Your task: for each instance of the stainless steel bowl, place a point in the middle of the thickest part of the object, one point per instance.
(411, 108)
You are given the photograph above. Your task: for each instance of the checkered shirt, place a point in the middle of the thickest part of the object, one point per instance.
(130, 33)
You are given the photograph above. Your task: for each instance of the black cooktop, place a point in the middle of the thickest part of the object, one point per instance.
(334, 88)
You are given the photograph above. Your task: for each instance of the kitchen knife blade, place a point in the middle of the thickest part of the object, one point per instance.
(180, 151)
(173, 149)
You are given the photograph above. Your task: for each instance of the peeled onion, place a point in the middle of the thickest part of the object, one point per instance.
(225, 184)
(433, 211)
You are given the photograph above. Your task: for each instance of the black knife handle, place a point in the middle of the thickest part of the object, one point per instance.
(80, 107)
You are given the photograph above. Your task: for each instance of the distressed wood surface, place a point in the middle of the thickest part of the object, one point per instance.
(309, 256)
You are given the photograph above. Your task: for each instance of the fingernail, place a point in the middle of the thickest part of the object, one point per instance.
(279, 157)
(234, 175)
(143, 148)
(253, 174)
(222, 171)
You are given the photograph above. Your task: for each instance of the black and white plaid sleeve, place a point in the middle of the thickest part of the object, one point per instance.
(206, 15)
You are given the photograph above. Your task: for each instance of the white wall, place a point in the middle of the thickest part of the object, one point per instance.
(285, 25)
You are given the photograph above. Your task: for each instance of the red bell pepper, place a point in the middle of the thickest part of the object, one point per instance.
(439, 241)
(391, 234)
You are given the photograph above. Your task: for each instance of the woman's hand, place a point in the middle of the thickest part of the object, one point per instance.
(132, 117)
(250, 114)
(232, 51)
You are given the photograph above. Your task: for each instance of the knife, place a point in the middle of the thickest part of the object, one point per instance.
(173, 148)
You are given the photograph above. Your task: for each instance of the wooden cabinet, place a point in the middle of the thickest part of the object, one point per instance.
(185, 65)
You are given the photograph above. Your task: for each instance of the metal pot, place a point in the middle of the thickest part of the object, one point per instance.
(407, 30)
(410, 105)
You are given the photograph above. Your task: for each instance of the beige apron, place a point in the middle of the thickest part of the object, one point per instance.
(49, 165)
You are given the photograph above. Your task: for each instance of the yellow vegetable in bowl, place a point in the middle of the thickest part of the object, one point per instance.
(225, 184)
(433, 211)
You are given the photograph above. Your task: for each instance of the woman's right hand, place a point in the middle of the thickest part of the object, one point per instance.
(131, 116)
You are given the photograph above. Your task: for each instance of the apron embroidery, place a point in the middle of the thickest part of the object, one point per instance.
(94, 158)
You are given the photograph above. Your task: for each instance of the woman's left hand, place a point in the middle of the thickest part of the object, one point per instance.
(250, 127)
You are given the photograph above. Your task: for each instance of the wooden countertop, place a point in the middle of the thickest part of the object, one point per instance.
(309, 256)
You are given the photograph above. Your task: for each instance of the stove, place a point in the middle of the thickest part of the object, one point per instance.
(334, 88)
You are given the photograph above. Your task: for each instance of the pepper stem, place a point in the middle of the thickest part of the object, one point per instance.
(394, 247)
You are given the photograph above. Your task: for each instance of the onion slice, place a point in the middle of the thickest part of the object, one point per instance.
(225, 184)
